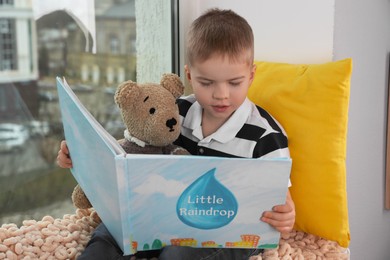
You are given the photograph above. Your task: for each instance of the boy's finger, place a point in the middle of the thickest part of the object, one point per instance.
(63, 160)
(277, 216)
(282, 208)
(281, 226)
(64, 147)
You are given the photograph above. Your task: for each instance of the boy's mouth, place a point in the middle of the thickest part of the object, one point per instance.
(220, 108)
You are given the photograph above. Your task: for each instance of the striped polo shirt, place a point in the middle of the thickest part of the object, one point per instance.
(250, 132)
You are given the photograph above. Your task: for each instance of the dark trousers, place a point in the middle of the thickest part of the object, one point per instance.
(102, 246)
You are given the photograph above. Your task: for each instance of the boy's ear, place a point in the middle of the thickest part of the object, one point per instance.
(252, 73)
(187, 72)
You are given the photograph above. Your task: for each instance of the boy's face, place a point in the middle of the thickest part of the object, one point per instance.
(220, 85)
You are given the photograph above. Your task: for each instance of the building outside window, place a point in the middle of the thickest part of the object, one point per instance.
(94, 46)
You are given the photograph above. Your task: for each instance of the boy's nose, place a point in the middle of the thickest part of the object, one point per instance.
(221, 92)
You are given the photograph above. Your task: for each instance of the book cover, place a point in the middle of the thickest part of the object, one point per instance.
(149, 201)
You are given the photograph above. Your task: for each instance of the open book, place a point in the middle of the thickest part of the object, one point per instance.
(149, 201)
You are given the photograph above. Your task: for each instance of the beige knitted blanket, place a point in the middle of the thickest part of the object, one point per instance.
(66, 238)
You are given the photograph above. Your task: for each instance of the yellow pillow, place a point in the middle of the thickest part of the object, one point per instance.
(311, 102)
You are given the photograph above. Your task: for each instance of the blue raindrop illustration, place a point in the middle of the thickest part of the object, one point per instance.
(206, 203)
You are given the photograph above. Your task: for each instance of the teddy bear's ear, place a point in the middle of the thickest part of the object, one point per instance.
(173, 84)
(126, 92)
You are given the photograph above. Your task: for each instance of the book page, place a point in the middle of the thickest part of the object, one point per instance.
(93, 152)
(92, 120)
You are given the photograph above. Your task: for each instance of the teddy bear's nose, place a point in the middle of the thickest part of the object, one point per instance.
(171, 123)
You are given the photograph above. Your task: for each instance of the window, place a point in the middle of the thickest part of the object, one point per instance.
(94, 47)
(6, 2)
(7, 45)
(114, 44)
(132, 44)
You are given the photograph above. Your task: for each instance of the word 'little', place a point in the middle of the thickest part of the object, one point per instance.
(205, 200)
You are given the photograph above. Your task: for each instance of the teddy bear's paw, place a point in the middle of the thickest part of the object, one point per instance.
(96, 219)
(79, 198)
(180, 151)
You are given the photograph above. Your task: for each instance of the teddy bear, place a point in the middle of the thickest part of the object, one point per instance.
(151, 116)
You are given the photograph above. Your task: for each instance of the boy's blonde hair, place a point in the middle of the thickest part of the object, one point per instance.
(221, 32)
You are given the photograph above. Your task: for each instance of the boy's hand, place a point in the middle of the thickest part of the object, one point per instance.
(63, 157)
(282, 217)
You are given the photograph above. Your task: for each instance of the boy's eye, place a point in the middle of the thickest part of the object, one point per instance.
(205, 83)
(235, 84)
(152, 111)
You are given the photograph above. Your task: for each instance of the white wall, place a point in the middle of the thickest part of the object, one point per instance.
(362, 32)
(153, 42)
(281, 28)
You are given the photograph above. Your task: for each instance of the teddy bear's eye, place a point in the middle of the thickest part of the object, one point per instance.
(152, 110)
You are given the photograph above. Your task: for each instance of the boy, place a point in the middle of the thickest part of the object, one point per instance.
(217, 120)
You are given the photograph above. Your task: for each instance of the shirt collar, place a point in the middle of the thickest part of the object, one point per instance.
(226, 132)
